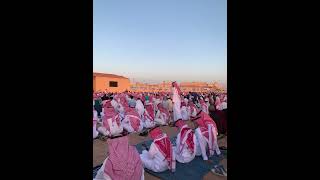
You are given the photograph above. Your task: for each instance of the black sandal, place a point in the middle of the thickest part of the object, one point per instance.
(217, 171)
(144, 133)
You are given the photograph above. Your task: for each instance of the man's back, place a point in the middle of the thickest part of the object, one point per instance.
(132, 103)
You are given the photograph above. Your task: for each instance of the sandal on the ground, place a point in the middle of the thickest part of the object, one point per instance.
(223, 170)
(223, 148)
(103, 138)
(217, 171)
(144, 133)
(220, 136)
(145, 146)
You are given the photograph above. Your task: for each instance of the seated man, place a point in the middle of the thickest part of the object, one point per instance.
(185, 150)
(111, 123)
(160, 156)
(206, 133)
(123, 162)
(184, 111)
(114, 102)
(139, 107)
(131, 102)
(148, 116)
(192, 109)
(132, 121)
(95, 119)
(204, 107)
(121, 106)
(162, 116)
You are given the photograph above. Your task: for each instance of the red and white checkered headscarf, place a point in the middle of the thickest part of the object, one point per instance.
(107, 104)
(163, 110)
(163, 143)
(124, 160)
(175, 84)
(203, 123)
(150, 110)
(193, 107)
(110, 113)
(134, 118)
(186, 135)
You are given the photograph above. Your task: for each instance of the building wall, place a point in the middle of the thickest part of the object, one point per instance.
(101, 83)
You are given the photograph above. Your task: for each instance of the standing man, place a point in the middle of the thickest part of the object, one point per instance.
(176, 101)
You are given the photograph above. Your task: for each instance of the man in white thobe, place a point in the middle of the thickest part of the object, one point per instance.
(176, 101)
(206, 134)
(185, 148)
(123, 162)
(148, 116)
(162, 115)
(160, 157)
(95, 119)
(111, 123)
(132, 121)
(139, 107)
(184, 112)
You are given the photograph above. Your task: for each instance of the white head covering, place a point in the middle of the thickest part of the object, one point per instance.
(224, 105)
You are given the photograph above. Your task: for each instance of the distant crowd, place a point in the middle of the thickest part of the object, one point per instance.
(121, 113)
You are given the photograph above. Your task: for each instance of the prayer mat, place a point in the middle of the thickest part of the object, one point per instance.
(193, 170)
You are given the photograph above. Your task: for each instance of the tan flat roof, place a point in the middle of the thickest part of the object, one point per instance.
(108, 75)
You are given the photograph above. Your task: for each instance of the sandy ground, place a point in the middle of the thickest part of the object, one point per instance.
(100, 151)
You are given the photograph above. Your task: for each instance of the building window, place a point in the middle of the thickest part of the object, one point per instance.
(113, 84)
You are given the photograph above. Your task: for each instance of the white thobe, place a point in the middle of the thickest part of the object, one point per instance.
(126, 123)
(186, 100)
(184, 155)
(114, 103)
(184, 113)
(161, 118)
(176, 105)
(203, 142)
(101, 175)
(139, 108)
(147, 121)
(154, 160)
(120, 108)
(155, 104)
(208, 104)
(115, 129)
(95, 117)
(192, 112)
(95, 132)
(205, 108)
(223, 105)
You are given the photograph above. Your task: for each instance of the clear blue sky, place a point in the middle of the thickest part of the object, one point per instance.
(183, 40)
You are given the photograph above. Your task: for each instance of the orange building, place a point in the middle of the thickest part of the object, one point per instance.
(110, 82)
